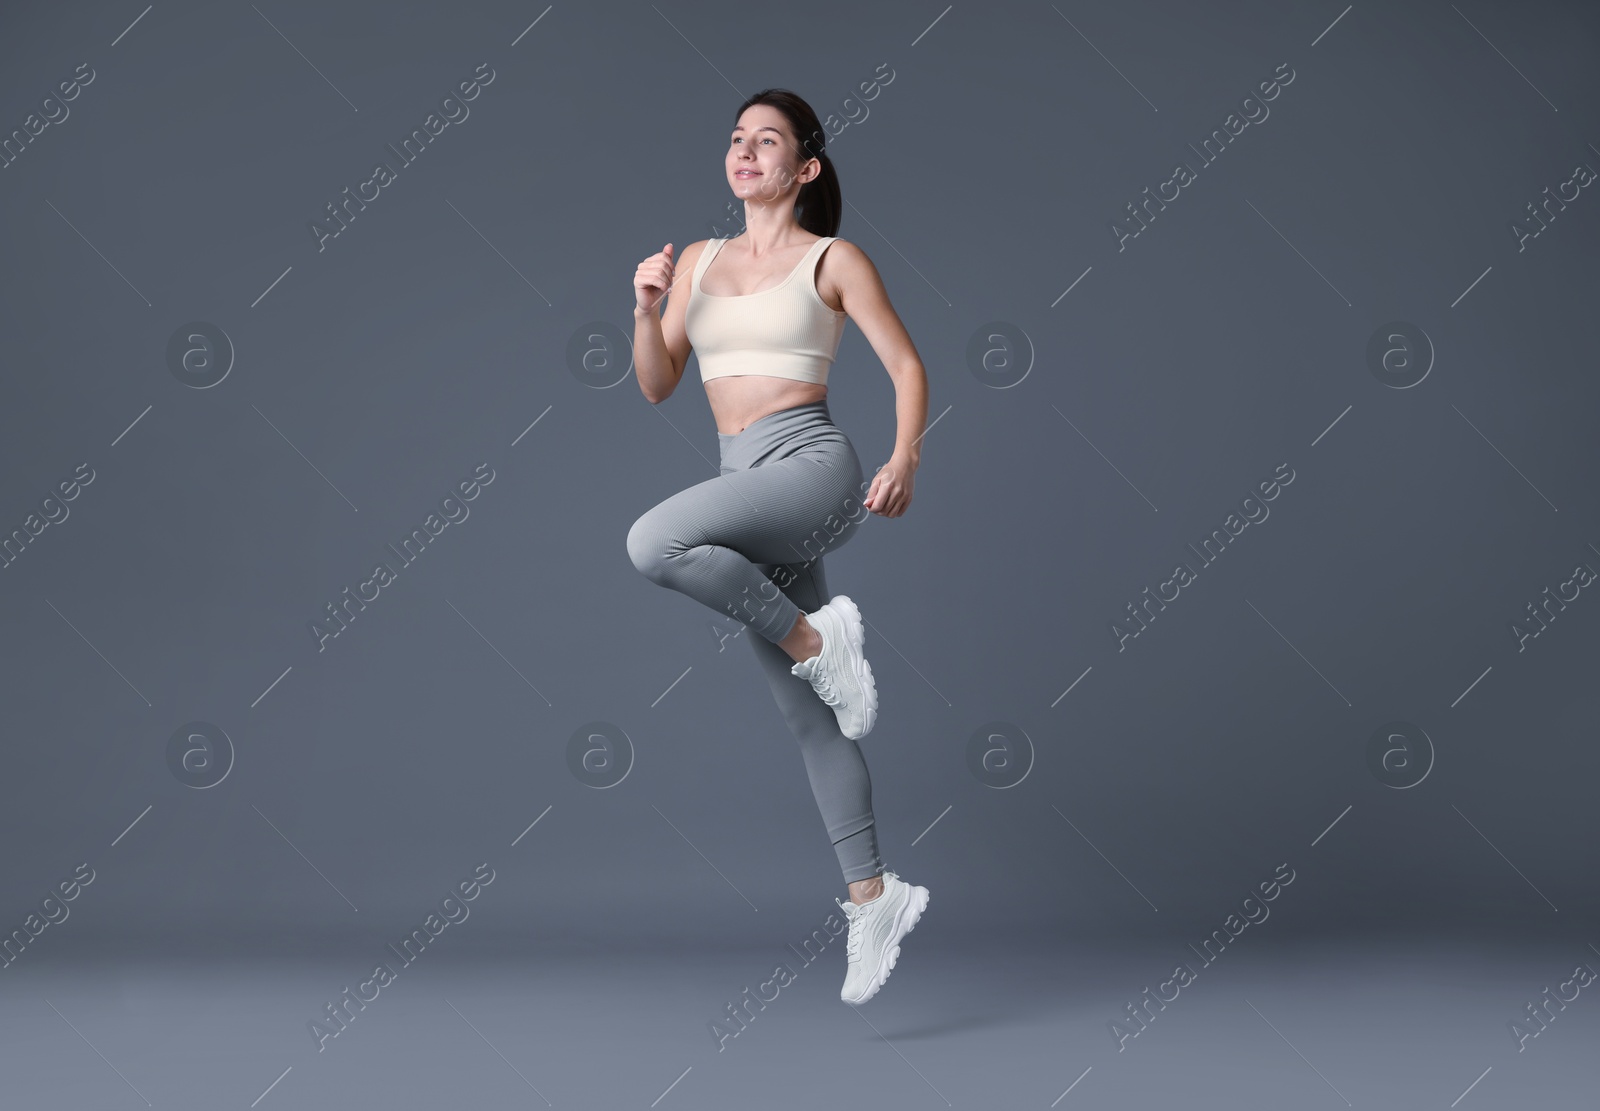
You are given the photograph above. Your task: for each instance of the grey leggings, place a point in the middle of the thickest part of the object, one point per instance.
(749, 544)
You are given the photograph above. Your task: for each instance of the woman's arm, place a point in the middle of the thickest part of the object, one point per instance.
(862, 294)
(660, 341)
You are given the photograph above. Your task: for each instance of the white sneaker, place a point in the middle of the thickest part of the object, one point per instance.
(840, 673)
(876, 928)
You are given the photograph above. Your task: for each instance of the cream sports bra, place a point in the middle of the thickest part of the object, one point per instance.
(787, 331)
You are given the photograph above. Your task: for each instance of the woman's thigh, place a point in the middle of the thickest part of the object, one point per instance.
(786, 511)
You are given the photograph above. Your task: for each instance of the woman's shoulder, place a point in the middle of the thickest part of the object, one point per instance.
(692, 253)
(853, 258)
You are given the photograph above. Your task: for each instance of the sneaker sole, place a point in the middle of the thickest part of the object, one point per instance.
(910, 915)
(855, 631)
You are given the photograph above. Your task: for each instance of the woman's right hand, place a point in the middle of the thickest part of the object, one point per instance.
(652, 279)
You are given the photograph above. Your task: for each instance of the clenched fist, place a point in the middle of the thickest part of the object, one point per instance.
(652, 279)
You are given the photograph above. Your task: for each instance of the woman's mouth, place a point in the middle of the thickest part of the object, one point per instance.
(747, 173)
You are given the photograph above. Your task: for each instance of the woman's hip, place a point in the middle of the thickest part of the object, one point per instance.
(806, 430)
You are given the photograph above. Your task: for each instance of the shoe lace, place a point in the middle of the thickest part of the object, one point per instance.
(822, 682)
(852, 944)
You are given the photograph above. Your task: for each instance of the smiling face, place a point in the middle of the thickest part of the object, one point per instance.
(764, 163)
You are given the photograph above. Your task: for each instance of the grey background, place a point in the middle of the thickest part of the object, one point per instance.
(984, 180)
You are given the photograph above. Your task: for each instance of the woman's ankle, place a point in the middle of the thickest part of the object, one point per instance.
(803, 640)
(867, 889)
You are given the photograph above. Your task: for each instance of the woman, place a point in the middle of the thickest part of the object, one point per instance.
(764, 312)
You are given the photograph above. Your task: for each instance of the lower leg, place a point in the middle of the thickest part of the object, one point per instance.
(839, 778)
(803, 641)
(864, 891)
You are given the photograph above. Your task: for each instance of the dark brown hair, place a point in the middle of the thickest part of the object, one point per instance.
(818, 207)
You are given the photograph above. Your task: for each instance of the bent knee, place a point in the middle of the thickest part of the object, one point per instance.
(645, 549)
(652, 547)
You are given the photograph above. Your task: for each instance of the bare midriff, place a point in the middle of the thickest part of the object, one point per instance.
(739, 400)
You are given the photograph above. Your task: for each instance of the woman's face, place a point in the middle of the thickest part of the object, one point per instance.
(762, 157)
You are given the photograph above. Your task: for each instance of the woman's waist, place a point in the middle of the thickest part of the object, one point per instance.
(739, 402)
(789, 428)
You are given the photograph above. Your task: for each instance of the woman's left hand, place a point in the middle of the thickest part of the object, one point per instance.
(890, 494)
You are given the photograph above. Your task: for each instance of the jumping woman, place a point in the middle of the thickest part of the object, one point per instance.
(764, 311)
